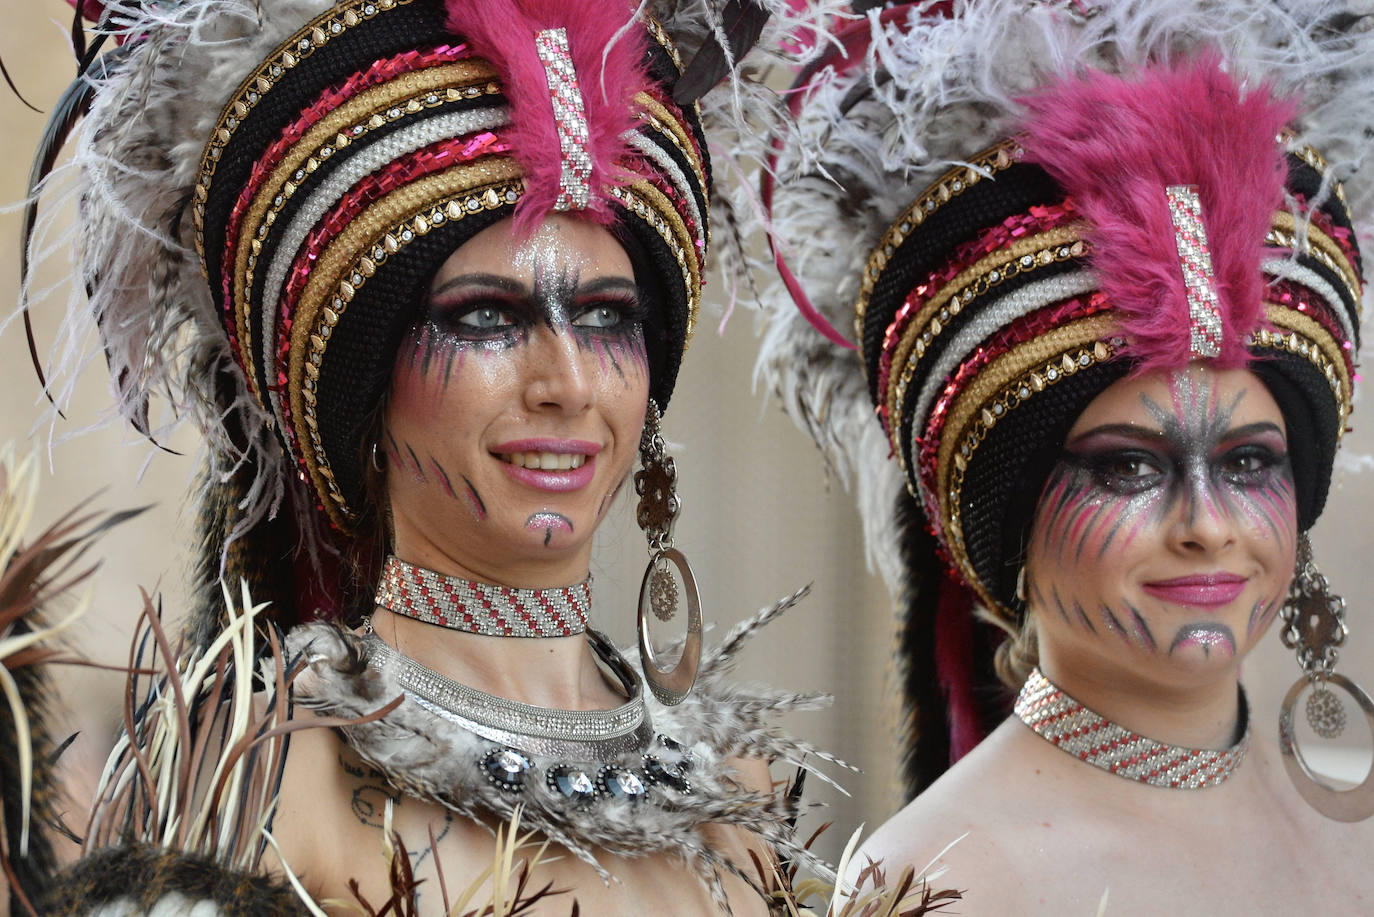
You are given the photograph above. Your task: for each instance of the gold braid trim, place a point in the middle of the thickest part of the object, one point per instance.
(346, 263)
(1008, 381)
(1021, 257)
(649, 204)
(994, 159)
(312, 36)
(1320, 246)
(662, 120)
(1317, 161)
(1302, 335)
(335, 131)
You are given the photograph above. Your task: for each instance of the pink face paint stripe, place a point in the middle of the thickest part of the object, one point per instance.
(444, 482)
(475, 500)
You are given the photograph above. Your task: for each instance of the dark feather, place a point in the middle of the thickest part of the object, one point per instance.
(78, 34)
(15, 89)
(74, 102)
(742, 21)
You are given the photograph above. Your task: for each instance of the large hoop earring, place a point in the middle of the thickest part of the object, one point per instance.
(1314, 626)
(656, 484)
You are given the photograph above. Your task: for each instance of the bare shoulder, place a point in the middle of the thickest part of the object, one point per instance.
(968, 830)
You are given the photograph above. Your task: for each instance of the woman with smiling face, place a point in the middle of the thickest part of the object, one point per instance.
(423, 272)
(1111, 351)
(513, 419)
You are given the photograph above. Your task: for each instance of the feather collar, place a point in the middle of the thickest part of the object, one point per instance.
(654, 799)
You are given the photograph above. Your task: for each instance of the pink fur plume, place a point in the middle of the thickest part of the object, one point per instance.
(1114, 143)
(609, 60)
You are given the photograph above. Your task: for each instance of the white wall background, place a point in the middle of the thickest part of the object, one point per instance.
(760, 516)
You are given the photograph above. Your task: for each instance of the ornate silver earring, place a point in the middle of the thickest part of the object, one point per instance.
(1314, 626)
(656, 484)
(376, 458)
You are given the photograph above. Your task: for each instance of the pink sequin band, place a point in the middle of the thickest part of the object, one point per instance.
(378, 73)
(1199, 281)
(570, 115)
(481, 608)
(1038, 219)
(1012, 336)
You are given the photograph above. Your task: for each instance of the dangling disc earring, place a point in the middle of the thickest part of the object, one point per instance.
(656, 485)
(1314, 625)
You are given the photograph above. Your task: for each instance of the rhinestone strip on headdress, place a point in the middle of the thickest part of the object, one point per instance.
(570, 114)
(480, 608)
(1067, 724)
(1204, 309)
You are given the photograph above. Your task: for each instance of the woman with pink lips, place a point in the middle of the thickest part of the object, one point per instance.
(1111, 351)
(423, 272)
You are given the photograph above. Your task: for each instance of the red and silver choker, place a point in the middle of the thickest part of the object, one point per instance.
(481, 608)
(1064, 722)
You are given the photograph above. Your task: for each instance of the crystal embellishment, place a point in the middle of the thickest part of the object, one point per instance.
(506, 769)
(570, 782)
(620, 782)
(570, 116)
(1199, 280)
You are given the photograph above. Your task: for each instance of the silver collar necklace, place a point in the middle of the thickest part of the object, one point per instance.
(596, 735)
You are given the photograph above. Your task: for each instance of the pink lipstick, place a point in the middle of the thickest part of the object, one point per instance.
(1206, 590)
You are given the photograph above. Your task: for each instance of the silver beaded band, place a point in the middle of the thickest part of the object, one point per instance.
(481, 608)
(596, 734)
(1064, 722)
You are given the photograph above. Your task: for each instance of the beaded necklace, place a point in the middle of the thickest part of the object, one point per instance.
(1067, 724)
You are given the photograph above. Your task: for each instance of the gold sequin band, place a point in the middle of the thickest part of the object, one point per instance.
(1320, 247)
(671, 127)
(306, 41)
(1021, 257)
(995, 159)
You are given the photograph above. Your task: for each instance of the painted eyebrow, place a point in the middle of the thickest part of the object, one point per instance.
(1129, 431)
(514, 287)
(485, 281)
(607, 285)
(1253, 429)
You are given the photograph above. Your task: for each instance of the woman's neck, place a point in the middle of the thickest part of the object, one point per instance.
(1198, 713)
(553, 671)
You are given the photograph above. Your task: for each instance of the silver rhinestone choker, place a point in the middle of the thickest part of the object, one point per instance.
(481, 608)
(579, 734)
(1064, 722)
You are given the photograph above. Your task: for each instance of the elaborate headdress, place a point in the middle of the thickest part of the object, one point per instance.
(1018, 203)
(267, 188)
